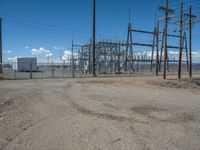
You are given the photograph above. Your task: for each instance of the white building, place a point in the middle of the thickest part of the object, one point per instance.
(26, 64)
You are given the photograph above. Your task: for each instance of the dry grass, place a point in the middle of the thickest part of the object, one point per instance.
(180, 84)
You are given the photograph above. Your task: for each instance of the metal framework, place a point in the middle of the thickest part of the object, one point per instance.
(120, 57)
(113, 58)
(182, 37)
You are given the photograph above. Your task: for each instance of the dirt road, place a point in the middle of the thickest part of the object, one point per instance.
(142, 113)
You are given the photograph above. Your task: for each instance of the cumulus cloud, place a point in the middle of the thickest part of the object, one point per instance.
(173, 55)
(27, 47)
(195, 55)
(49, 55)
(68, 55)
(13, 59)
(41, 52)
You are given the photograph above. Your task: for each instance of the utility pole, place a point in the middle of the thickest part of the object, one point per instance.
(128, 40)
(153, 47)
(1, 51)
(161, 50)
(191, 17)
(181, 40)
(89, 57)
(73, 73)
(131, 52)
(94, 40)
(129, 47)
(184, 43)
(190, 41)
(166, 31)
(118, 57)
(157, 48)
(154, 41)
(166, 19)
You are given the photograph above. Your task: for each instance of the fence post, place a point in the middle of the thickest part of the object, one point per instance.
(52, 70)
(15, 74)
(31, 65)
(63, 68)
(41, 70)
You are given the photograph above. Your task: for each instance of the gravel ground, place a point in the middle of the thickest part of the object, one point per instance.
(142, 113)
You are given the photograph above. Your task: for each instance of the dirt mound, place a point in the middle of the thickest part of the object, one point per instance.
(174, 83)
(97, 81)
(1, 78)
(196, 82)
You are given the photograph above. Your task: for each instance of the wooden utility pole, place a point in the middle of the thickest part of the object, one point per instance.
(73, 73)
(128, 41)
(127, 47)
(153, 47)
(181, 40)
(118, 59)
(190, 41)
(94, 40)
(191, 17)
(166, 31)
(165, 34)
(89, 57)
(157, 48)
(184, 43)
(131, 52)
(161, 50)
(1, 51)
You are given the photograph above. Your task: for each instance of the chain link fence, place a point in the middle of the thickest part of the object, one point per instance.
(24, 70)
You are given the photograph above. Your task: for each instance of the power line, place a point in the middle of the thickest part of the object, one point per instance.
(35, 28)
(36, 24)
(33, 22)
(186, 2)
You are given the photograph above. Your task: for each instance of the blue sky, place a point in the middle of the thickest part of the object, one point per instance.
(31, 24)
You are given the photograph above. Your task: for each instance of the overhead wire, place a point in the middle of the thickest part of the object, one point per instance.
(43, 27)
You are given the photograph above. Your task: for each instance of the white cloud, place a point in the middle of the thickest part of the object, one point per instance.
(173, 52)
(196, 56)
(67, 55)
(41, 52)
(13, 59)
(49, 55)
(173, 55)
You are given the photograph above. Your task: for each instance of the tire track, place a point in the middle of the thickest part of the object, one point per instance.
(89, 112)
(22, 131)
